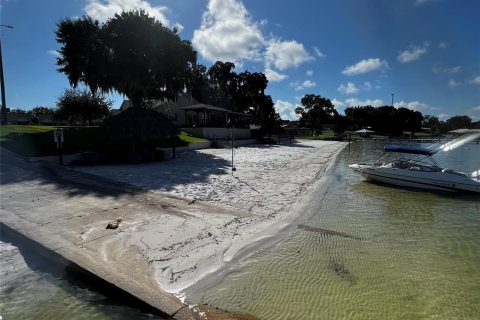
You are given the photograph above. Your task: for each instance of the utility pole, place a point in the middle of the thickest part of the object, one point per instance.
(3, 111)
(393, 94)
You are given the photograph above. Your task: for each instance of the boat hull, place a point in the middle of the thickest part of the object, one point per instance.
(439, 181)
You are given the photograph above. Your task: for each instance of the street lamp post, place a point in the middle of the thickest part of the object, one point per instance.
(3, 112)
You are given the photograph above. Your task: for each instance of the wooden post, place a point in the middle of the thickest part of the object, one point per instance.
(58, 139)
(60, 153)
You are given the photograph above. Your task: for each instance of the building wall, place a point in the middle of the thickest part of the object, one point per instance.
(218, 133)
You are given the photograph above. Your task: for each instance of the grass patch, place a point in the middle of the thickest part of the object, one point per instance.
(326, 134)
(37, 141)
(184, 136)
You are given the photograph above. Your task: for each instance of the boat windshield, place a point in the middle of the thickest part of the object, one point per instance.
(410, 150)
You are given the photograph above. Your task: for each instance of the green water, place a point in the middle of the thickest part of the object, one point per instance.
(418, 255)
(32, 287)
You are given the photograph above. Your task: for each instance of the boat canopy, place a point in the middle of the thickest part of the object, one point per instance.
(411, 150)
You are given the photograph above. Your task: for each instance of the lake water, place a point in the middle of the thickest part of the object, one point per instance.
(413, 255)
(32, 287)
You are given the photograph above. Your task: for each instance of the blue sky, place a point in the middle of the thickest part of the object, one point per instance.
(354, 52)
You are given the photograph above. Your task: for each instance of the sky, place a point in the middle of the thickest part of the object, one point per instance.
(353, 52)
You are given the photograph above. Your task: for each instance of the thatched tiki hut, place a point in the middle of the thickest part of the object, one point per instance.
(136, 134)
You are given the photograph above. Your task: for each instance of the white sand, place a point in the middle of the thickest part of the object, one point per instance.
(268, 188)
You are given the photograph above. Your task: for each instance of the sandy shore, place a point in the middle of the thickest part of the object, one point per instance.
(268, 189)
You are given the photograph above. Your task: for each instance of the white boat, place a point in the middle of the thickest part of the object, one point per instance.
(421, 172)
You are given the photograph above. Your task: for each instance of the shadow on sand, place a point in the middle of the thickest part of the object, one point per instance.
(15, 169)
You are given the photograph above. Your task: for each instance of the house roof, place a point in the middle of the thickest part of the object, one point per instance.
(204, 107)
(182, 100)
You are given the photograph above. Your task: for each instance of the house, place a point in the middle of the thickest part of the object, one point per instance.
(171, 109)
(45, 119)
(200, 120)
(18, 118)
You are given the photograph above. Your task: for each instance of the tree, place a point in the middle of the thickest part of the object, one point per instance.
(198, 83)
(432, 123)
(459, 122)
(131, 53)
(20, 111)
(82, 106)
(148, 61)
(223, 83)
(360, 117)
(39, 111)
(316, 111)
(83, 55)
(242, 93)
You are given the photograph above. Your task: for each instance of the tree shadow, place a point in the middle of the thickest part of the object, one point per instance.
(187, 168)
(164, 175)
(35, 143)
(296, 144)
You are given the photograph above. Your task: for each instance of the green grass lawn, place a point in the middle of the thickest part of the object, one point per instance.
(36, 141)
(326, 134)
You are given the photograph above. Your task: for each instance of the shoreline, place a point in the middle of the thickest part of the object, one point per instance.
(261, 214)
(181, 220)
(265, 238)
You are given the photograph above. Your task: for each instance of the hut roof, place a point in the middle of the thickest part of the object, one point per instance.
(139, 123)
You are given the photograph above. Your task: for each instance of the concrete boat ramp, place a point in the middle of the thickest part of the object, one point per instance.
(67, 213)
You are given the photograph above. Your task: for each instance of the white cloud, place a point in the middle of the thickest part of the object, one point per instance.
(365, 65)
(443, 116)
(477, 108)
(309, 84)
(274, 76)
(475, 80)
(453, 83)
(412, 105)
(414, 53)
(179, 27)
(227, 33)
(443, 45)
(285, 54)
(420, 2)
(300, 86)
(351, 102)
(286, 110)
(309, 73)
(54, 53)
(319, 53)
(450, 70)
(337, 103)
(104, 9)
(350, 88)
(367, 86)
